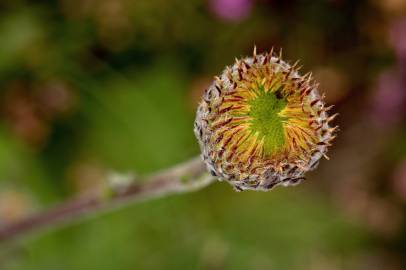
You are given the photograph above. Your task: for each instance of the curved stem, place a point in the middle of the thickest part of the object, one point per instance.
(186, 177)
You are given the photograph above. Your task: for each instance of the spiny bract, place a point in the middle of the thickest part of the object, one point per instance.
(261, 124)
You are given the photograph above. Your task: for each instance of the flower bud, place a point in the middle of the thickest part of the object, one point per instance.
(261, 124)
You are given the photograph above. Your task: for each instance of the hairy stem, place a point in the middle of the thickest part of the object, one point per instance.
(186, 177)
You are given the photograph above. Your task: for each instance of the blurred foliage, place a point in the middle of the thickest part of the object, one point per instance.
(214, 229)
(91, 86)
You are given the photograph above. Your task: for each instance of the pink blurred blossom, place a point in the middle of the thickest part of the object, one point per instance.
(231, 10)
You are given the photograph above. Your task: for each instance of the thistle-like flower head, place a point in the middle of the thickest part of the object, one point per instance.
(261, 124)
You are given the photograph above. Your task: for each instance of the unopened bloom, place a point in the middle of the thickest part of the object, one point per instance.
(231, 10)
(261, 124)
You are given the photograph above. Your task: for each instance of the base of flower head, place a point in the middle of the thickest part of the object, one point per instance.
(270, 180)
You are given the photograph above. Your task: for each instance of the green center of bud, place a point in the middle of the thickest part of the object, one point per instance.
(265, 119)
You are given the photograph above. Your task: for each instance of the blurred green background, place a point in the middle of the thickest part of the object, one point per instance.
(93, 86)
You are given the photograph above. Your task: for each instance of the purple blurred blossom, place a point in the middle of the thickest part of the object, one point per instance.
(231, 10)
(389, 98)
(398, 38)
